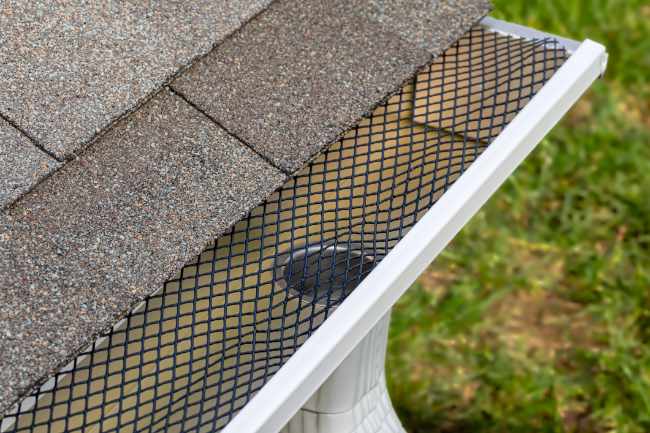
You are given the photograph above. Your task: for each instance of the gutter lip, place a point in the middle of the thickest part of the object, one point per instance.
(291, 386)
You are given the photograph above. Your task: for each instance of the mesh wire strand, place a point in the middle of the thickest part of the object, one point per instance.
(195, 352)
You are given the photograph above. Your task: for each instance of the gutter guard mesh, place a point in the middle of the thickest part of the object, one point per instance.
(195, 352)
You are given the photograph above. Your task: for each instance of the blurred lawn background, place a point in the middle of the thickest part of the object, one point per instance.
(537, 317)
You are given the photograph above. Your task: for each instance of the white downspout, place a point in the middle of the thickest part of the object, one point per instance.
(354, 399)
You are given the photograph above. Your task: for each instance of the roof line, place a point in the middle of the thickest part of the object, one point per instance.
(29, 137)
(229, 132)
(39, 147)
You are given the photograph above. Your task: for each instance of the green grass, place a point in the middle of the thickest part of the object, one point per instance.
(537, 316)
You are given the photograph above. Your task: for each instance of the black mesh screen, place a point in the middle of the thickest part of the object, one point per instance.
(195, 352)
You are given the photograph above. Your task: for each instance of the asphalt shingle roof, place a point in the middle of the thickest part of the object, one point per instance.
(132, 200)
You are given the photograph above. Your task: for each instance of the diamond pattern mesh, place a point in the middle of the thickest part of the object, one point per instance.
(195, 352)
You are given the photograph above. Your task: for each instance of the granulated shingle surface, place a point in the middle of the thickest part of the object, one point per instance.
(70, 68)
(111, 227)
(304, 71)
(430, 24)
(22, 164)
